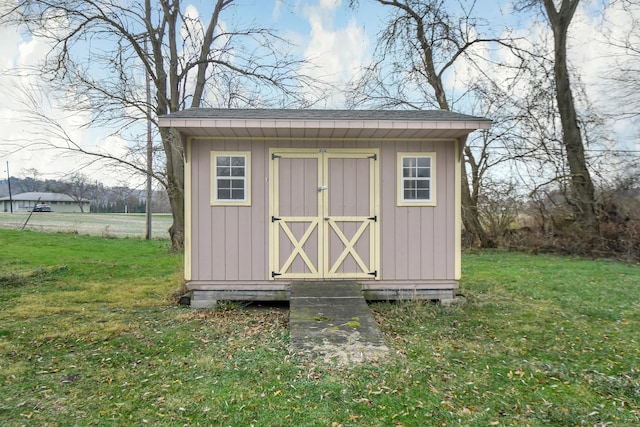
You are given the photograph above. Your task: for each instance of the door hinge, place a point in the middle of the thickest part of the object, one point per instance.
(275, 156)
(274, 274)
(374, 273)
(275, 218)
(373, 156)
(373, 218)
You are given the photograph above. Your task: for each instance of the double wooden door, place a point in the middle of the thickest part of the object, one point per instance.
(324, 214)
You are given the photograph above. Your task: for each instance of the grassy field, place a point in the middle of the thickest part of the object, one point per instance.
(89, 336)
(96, 224)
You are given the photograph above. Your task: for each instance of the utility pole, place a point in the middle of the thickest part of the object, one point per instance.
(9, 182)
(149, 149)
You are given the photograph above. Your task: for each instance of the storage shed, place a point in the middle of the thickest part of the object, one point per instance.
(277, 196)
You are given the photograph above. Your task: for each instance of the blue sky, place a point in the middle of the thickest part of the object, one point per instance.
(334, 38)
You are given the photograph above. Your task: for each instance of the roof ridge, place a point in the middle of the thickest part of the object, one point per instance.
(321, 114)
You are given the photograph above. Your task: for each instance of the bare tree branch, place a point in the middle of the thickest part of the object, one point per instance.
(99, 58)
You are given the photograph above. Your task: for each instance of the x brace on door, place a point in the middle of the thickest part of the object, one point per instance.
(349, 245)
(298, 245)
(313, 243)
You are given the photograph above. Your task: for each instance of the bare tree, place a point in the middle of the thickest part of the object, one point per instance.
(30, 182)
(79, 188)
(489, 154)
(624, 83)
(99, 57)
(421, 43)
(499, 205)
(582, 194)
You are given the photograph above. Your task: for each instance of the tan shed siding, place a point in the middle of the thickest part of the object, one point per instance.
(188, 216)
(458, 209)
(202, 223)
(213, 257)
(444, 216)
(259, 212)
(230, 243)
(418, 241)
(422, 258)
(450, 189)
(388, 214)
(403, 226)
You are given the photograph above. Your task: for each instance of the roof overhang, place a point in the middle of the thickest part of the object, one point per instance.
(373, 125)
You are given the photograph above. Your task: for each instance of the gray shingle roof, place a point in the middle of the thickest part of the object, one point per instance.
(334, 124)
(302, 114)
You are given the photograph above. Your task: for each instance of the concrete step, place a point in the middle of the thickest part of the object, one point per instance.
(331, 321)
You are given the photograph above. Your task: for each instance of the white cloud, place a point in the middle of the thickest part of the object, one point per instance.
(595, 28)
(592, 60)
(333, 55)
(22, 140)
(192, 30)
(330, 4)
(277, 9)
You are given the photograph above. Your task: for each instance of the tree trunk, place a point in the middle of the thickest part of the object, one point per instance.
(170, 139)
(175, 185)
(582, 199)
(469, 200)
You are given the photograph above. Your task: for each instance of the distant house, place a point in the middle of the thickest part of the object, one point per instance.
(59, 202)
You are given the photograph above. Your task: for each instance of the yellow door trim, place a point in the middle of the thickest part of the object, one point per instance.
(322, 222)
(276, 270)
(188, 210)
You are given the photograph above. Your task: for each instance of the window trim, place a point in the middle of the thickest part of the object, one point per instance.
(247, 179)
(401, 201)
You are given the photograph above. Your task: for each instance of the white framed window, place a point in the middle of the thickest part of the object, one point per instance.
(231, 178)
(416, 179)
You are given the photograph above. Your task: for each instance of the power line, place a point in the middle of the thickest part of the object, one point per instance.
(587, 150)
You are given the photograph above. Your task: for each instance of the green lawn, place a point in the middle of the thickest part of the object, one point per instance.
(89, 336)
(95, 224)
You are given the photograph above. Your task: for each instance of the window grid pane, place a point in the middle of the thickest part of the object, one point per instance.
(416, 178)
(230, 177)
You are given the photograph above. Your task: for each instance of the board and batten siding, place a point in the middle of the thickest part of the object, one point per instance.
(231, 243)
(417, 242)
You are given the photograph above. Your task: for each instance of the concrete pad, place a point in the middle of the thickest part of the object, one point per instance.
(331, 321)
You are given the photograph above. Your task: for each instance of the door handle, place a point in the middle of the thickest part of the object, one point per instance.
(322, 187)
